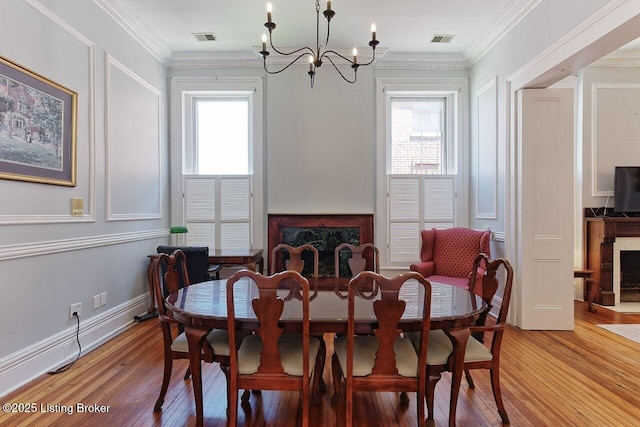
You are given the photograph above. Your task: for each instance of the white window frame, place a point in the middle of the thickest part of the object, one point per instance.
(456, 89)
(182, 91)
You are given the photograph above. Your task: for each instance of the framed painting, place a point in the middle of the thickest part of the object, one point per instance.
(37, 127)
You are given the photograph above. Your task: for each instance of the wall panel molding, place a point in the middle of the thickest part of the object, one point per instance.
(486, 147)
(90, 179)
(133, 144)
(25, 250)
(608, 136)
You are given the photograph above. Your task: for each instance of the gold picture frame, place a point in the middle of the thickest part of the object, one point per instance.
(38, 126)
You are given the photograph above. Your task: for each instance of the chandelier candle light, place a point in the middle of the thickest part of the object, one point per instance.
(316, 56)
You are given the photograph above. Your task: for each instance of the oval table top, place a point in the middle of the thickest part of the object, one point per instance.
(205, 305)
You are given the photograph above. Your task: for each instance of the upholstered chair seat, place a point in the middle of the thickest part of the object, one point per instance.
(290, 347)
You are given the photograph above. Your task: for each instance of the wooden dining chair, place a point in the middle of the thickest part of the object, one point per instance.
(362, 257)
(384, 361)
(168, 274)
(271, 359)
(483, 347)
(295, 261)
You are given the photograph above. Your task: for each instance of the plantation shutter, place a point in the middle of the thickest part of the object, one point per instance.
(218, 211)
(416, 203)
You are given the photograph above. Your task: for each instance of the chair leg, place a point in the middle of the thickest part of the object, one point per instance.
(421, 396)
(168, 366)
(318, 371)
(187, 374)
(232, 410)
(225, 371)
(404, 400)
(497, 395)
(431, 392)
(336, 371)
(318, 384)
(467, 374)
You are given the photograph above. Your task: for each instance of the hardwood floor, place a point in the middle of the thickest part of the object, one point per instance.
(585, 377)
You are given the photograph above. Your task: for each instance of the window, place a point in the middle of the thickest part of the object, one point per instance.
(420, 134)
(218, 134)
(218, 137)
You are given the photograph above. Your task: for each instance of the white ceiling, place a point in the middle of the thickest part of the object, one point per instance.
(403, 27)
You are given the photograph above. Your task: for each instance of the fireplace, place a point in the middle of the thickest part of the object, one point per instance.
(626, 270)
(324, 232)
(630, 276)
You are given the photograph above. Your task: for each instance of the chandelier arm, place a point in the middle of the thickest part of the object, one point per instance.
(292, 52)
(355, 70)
(326, 42)
(287, 66)
(337, 54)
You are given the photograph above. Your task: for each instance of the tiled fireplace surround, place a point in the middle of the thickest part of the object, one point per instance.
(623, 244)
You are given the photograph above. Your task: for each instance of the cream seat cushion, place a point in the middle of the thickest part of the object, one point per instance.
(364, 355)
(218, 339)
(290, 346)
(440, 348)
(475, 351)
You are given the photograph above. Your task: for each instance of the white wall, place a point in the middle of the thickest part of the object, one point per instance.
(539, 30)
(610, 128)
(48, 258)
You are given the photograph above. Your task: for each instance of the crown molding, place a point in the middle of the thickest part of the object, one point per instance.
(498, 28)
(130, 21)
(612, 62)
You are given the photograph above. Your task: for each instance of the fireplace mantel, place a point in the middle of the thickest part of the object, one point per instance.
(600, 235)
(278, 222)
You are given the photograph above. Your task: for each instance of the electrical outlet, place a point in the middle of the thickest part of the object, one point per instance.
(75, 308)
(103, 299)
(96, 301)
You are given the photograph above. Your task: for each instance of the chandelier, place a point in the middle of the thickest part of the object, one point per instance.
(317, 56)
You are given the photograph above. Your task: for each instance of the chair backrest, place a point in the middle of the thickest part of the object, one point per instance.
(363, 258)
(388, 307)
(453, 250)
(197, 260)
(268, 307)
(487, 287)
(295, 261)
(169, 273)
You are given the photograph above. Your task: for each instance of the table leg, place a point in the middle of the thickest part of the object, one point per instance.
(459, 339)
(594, 287)
(195, 337)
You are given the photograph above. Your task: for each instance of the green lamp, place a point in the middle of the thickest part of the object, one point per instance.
(176, 230)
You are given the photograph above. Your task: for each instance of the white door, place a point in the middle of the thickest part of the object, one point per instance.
(545, 205)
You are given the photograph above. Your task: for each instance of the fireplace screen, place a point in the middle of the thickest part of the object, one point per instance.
(325, 240)
(629, 276)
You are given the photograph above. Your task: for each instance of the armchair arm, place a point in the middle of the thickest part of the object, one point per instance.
(425, 268)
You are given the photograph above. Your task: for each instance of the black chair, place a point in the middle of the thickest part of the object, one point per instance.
(198, 266)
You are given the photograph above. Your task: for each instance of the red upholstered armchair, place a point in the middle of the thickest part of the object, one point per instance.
(447, 255)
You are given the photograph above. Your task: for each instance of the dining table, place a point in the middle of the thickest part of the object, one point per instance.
(202, 307)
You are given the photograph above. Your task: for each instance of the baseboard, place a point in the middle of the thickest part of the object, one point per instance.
(24, 366)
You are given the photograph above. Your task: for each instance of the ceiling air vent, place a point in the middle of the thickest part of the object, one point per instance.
(205, 37)
(442, 38)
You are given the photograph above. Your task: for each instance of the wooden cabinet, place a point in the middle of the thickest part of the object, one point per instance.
(600, 234)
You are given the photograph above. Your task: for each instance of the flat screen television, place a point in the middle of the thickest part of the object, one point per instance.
(626, 189)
